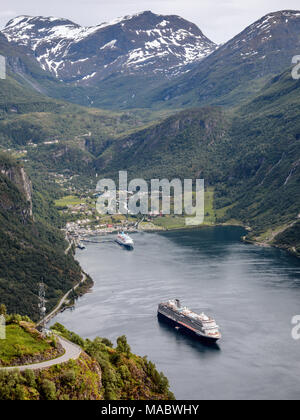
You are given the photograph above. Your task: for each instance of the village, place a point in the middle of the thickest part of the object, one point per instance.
(83, 221)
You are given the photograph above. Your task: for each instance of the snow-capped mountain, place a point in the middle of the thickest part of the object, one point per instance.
(263, 49)
(276, 32)
(144, 43)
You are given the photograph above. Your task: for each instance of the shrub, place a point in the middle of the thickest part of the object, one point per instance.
(29, 377)
(11, 385)
(68, 378)
(48, 389)
(107, 342)
(124, 371)
(3, 310)
(123, 346)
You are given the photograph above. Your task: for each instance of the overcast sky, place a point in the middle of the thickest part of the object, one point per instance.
(220, 20)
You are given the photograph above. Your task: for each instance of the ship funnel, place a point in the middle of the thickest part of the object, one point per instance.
(177, 303)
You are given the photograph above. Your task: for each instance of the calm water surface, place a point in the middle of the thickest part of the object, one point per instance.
(252, 292)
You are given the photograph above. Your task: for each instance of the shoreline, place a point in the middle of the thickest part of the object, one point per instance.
(290, 251)
(58, 309)
(158, 229)
(244, 238)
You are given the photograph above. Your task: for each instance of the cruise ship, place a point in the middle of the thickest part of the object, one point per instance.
(125, 240)
(200, 326)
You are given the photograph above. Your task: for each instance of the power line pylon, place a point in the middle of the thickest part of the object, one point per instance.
(42, 306)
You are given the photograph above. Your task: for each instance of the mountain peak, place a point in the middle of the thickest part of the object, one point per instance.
(266, 30)
(281, 16)
(263, 49)
(125, 18)
(284, 13)
(143, 43)
(24, 20)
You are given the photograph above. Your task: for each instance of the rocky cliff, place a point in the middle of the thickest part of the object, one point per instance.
(17, 175)
(14, 177)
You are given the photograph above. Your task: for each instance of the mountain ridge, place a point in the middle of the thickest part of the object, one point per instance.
(155, 61)
(239, 67)
(249, 156)
(167, 146)
(139, 44)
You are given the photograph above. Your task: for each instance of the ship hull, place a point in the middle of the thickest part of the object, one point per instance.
(129, 247)
(185, 329)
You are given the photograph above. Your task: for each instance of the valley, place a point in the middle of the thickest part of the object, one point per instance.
(151, 95)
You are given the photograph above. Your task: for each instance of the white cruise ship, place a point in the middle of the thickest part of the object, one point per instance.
(125, 240)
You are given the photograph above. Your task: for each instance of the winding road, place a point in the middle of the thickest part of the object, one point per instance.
(61, 302)
(72, 352)
(48, 317)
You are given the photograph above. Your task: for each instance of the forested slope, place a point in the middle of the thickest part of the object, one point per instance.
(31, 249)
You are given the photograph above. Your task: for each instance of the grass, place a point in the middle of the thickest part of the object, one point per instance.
(209, 212)
(69, 200)
(178, 222)
(170, 222)
(20, 343)
(166, 222)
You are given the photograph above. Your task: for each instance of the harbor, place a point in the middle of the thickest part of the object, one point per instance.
(79, 232)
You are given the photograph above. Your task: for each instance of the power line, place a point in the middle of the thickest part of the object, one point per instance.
(42, 305)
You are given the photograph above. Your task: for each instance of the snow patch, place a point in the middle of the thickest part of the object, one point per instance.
(89, 76)
(52, 40)
(110, 44)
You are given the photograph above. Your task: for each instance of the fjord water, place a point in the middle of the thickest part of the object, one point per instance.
(252, 292)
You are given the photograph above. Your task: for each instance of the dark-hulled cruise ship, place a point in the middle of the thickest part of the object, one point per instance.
(200, 326)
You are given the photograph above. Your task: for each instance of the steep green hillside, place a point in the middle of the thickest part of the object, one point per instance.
(32, 248)
(124, 375)
(35, 82)
(188, 144)
(23, 344)
(265, 168)
(57, 136)
(21, 91)
(289, 239)
(251, 155)
(101, 372)
(77, 125)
